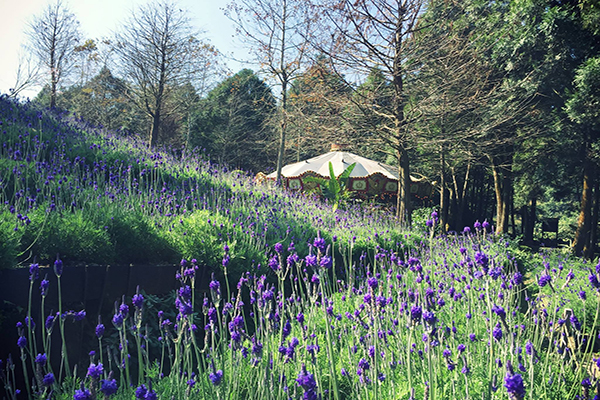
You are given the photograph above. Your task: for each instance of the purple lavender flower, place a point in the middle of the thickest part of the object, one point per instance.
(58, 267)
(124, 310)
(82, 394)
(138, 301)
(278, 248)
(109, 387)
(575, 322)
(140, 392)
(216, 377)
(307, 381)
(514, 386)
(22, 342)
(429, 317)
(497, 332)
(79, 315)
(95, 371)
(481, 259)
(310, 260)
(49, 322)
(226, 260)
(117, 320)
(594, 281)
(48, 379)
(41, 359)
(544, 280)
(529, 350)
(364, 364)
(319, 243)
(100, 330)
(34, 270)
(517, 278)
(326, 262)
(415, 313)
(582, 295)
(499, 311)
(44, 285)
(372, 282)
(274, 263)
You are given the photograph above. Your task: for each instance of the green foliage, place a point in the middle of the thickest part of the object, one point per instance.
(75, 236)
(198, 235)
(135, 240)
(232, 122)
(9, 239)
(335, 189)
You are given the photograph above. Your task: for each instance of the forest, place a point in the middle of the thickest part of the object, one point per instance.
(497, 102)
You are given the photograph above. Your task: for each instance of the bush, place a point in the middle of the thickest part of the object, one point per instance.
(74, 235)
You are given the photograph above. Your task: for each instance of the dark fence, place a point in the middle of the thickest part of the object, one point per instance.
(92, 288)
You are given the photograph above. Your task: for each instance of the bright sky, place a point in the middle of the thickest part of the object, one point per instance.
(98, 19)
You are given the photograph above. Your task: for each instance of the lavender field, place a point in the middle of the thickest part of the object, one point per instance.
(304, 302)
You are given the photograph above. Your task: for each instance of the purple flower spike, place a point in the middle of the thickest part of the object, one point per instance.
(34, 270)
(138, 301)
(497, 332)
(544, 280)
(48, 379)
(278, 248)
(310, 260)
(41, 359)
(109, 387)
(514, 386)
(307, 381)
(58, 267)
(319, 243)
(326, 262)
(95, 371)
(82, 394)
(415, 313)
(44, 285)
(216, 377)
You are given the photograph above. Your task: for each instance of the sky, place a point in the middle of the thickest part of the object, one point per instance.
(100, 18)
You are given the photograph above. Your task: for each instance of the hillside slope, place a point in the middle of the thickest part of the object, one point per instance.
(102, 197)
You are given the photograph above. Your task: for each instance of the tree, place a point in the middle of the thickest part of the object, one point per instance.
(376, 34)
(318, 100)
(232, 122)
(53, 36)
(103, 101)
(153, 50)
(583, 109)
(277, 33)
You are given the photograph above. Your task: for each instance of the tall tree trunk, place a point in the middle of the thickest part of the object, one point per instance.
(584, 222)
(53, 78)
(403, 206)
(282, 131)
(529, 217)
(155, 127)
(502, 187)
(594, 223)
(460, 195)
(283, 78)
(403, 203)
(594, 229)
(444, 195)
